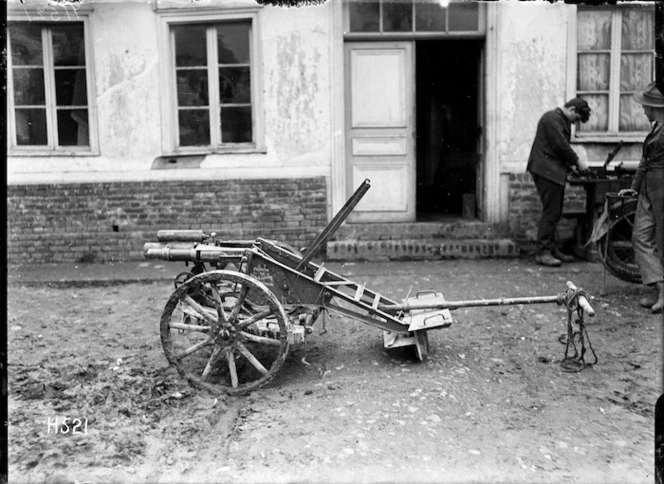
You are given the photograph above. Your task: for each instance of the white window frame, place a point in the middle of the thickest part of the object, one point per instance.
(479, 33)
(612, 134)
(170, 130)
(48, 16)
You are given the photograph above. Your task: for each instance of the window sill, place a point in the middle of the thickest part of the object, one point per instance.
(216, 151)
(610, 138)
(43, 153)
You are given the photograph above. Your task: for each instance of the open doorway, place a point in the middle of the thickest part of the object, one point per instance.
(447, 74)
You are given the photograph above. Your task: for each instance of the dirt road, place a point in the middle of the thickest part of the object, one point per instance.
(491, 404)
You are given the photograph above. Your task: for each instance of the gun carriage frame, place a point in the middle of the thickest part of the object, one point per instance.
(228, 325)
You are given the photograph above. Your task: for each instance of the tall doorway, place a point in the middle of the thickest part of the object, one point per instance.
(449, 130)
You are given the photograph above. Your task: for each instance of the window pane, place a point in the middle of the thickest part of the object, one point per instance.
(636, 71)
(192, 87)
(234, 85)
(194, 127)
(190, 45)
(593, 72)
(593, 30)
(29, 87)
(73, 127)
(599, 117)
(26, 44)
(70, 87)
(364, 16)
(637, 29)
(397, 16)
(31, 127)
(236, 125)
(233, 43)
(429, 17)
(463, 16)
(68, 45)
(632, 117)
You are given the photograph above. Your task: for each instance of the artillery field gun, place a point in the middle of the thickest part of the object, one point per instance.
(229, 323)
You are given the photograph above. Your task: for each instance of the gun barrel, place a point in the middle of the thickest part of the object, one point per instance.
(181, 236)
(199, 253)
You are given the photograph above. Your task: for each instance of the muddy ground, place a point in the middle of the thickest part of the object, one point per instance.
(491, 404)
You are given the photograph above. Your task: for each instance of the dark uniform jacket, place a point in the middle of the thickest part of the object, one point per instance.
(653, 156)
(551, 155)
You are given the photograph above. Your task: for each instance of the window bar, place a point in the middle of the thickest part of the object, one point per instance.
(214, 100)
(49, 89)
(447, 18)
(252, 84)
(10, 94)
(89, 89)
(412, 16)
(614, 73)
(380, 16)
(413, 27)
(174, 83)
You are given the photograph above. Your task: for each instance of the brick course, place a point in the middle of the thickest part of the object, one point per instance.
(110, 222)
(525, 208)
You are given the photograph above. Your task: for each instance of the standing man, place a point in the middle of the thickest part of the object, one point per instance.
(648, 183)
(551, 158)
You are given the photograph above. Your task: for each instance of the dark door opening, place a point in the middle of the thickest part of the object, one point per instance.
(447, 74)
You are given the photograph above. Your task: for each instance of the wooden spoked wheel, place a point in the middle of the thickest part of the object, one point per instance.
(225, 332)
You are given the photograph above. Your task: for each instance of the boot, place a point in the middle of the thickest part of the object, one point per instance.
(558, 254)
(658, 306)
(545, 258)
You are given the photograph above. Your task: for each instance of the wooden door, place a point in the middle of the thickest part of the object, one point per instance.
(380, 129)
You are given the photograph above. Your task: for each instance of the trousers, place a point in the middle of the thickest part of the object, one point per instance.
(648, 232)
(552, 196)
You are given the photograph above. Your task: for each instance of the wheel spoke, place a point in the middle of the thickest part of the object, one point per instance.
(231, 367)
(252, 359)
(190, 327)
(201, 312)
(260, 339)
(240, 301)
(256, 317)
(221, 314)
(211, 362)
(194, 348)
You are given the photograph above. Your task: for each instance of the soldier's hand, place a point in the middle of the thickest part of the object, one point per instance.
(582, 166)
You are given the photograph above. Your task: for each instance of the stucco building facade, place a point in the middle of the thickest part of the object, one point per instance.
(128, 116)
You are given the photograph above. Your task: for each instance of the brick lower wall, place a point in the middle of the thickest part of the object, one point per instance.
(110, 222)
(525, 208)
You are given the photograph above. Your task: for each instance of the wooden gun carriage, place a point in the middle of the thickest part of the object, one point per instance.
(229, 323)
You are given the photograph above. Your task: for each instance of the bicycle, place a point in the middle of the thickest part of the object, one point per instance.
(612, 234)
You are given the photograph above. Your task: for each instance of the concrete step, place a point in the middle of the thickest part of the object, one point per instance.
(420, 249)
(453, 228)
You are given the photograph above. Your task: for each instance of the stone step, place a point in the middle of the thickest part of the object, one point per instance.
(452, 229)
(420, 249)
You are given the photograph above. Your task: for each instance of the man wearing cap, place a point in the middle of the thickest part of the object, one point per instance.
(551, 158)
(648, 183)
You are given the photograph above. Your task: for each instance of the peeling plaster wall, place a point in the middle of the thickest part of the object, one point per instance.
(297, 83)
(532, 74)
(126, 70)
(294, 69)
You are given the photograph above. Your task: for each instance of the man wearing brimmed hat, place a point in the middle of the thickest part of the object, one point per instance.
(551, 158)
(648, 183)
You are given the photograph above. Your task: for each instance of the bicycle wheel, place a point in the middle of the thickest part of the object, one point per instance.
(616, 250)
